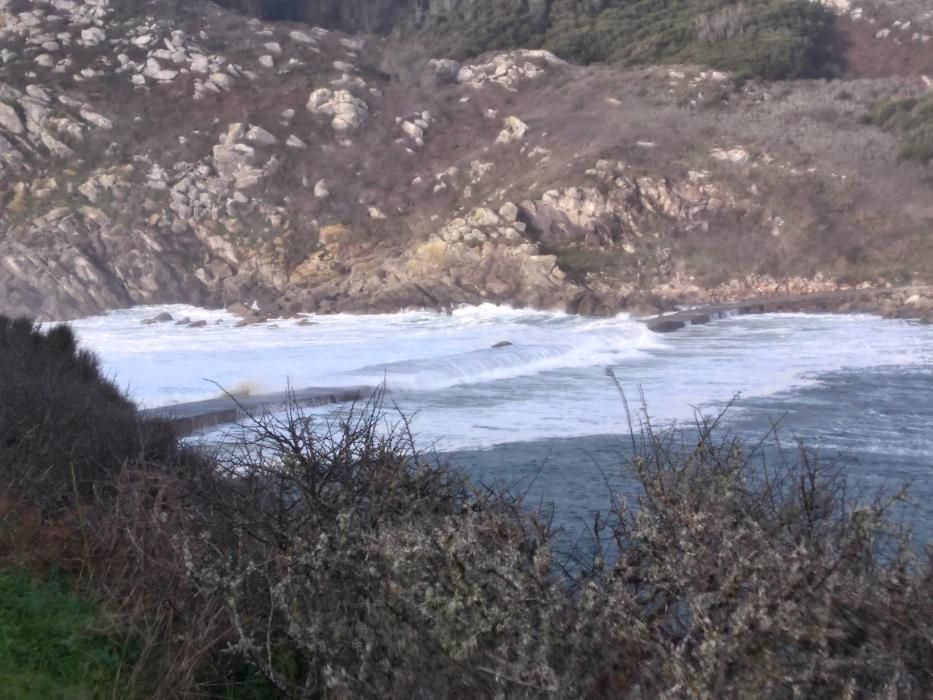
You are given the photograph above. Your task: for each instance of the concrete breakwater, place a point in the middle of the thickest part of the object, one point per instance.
(198, 415)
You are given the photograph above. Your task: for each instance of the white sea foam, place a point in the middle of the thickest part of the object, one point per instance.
(550, 382)
(412, 351)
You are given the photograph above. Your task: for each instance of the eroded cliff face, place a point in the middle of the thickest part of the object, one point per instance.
(198, 155)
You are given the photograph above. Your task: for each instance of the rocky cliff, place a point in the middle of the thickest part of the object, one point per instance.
(159, 152)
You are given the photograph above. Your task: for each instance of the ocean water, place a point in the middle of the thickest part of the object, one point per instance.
(542, 415)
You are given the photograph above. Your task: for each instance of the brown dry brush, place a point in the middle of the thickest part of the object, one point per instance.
(336, 560)
(734, 577)
(354, 567)
(89, 489)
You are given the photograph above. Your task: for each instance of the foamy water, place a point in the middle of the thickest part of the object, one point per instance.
(461, 393)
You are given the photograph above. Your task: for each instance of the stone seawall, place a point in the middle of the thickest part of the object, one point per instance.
(198, 415)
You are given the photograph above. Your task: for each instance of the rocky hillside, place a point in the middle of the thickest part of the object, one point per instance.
(163, 152)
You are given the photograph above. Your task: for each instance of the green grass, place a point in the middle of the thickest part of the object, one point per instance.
(48, 648)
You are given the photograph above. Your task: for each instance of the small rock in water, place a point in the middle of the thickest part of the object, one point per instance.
(502, 344)
(163, 317)
(183, 322)
(197, 324)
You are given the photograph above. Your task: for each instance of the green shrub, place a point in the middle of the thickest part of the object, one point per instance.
(774, 39)
(65, 430)
(911, 120)
(578, 261)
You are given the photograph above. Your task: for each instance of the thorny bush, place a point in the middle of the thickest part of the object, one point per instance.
(352, 566)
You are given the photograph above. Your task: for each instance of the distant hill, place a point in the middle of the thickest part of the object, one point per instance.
(162, 151)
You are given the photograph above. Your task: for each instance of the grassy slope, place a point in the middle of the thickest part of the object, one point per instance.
(47, 646)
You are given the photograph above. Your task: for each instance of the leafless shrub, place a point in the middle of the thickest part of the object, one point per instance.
(350, 566)
(733, 576)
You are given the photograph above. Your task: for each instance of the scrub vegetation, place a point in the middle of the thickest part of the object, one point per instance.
(773, 39)
(911, 120)
(310, 560)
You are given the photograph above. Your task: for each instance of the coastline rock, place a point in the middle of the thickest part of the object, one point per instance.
(515, 130)
(123, 180)
(348, 111)
(10, 121)
(163, 317)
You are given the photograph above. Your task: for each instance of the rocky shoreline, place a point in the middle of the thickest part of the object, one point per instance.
(669, 313)
(188, 154)
(914, 302)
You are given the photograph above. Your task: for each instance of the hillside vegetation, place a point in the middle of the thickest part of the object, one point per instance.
(775, 39)
(911, 120)
(168, 152)
(316, 561)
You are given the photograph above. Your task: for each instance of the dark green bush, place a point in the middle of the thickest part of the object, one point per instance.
(65, 430)
(772, 39)
(911, 120)
(578, 261)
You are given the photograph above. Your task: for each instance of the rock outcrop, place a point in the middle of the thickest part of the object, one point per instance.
(348, 112)
(189, 154)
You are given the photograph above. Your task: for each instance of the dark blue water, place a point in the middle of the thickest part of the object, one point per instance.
(875, 425)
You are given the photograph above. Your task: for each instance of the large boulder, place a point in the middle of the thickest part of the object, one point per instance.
(348, 111)
(444, 70)
(9, 120)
